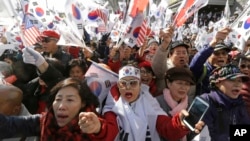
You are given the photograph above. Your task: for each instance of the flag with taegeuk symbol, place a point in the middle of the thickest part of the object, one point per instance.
(242, 24)
(130, 38)
(100, 80)
(40, 11)
(30, 32)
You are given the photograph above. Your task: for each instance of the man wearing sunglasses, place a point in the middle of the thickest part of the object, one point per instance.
(51, 49)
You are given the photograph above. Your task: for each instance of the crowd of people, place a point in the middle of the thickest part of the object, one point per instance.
(44, 94)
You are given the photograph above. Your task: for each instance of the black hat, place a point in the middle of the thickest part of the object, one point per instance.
(221, 46)
(178, 44)
(180, 73)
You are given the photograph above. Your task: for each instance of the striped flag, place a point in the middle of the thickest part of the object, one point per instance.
(131, 37)
(187, 9)
(30, 33)
(142, 33)
(102, 28)
(102, 15)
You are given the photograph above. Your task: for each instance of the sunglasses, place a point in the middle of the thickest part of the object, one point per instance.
(47, 40)
(220, 53)
(128, 83)
(243, 66)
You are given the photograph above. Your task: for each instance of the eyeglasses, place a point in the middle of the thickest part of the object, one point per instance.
(145, 72)
(46, 40)
(131, 83)
(243, 66)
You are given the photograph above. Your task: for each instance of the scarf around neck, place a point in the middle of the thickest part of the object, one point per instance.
(135, 119)
(50, 131)
(174, 105)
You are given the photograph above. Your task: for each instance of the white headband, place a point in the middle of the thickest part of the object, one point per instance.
(129, 71)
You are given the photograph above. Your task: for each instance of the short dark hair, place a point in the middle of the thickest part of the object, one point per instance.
(76, 62)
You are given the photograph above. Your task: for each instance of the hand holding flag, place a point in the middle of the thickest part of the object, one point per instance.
(166, 36)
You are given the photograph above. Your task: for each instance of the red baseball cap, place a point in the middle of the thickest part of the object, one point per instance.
(50, 33)
(146, 64)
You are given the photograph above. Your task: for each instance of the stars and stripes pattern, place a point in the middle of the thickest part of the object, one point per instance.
(102, 15)
(31, 33)
(142, 33)
(102, 28)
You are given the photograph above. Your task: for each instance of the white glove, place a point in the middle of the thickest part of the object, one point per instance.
(30, 56)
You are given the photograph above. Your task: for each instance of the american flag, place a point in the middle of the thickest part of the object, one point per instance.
(102, 15)
(143, 31)
(102, 28)
(31, 33)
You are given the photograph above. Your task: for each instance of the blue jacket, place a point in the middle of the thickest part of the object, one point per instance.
(197, 67)
(19, 126)
(222, 112)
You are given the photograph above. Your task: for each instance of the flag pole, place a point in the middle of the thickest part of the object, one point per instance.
(118, 43)
(21, 30)
(16, 19)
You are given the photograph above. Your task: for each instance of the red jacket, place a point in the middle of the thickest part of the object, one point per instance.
(167, 127)
(115, 66)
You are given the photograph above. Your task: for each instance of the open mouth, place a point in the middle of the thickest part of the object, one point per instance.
(182, 92)
(220, 61)
(62, 116)
(128, 95)
(235, 91)
(182, 61)
(145, 81)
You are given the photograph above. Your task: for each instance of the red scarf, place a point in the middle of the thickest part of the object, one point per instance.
(50, 131)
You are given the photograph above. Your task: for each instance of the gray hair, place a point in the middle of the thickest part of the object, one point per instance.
(6, 69)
